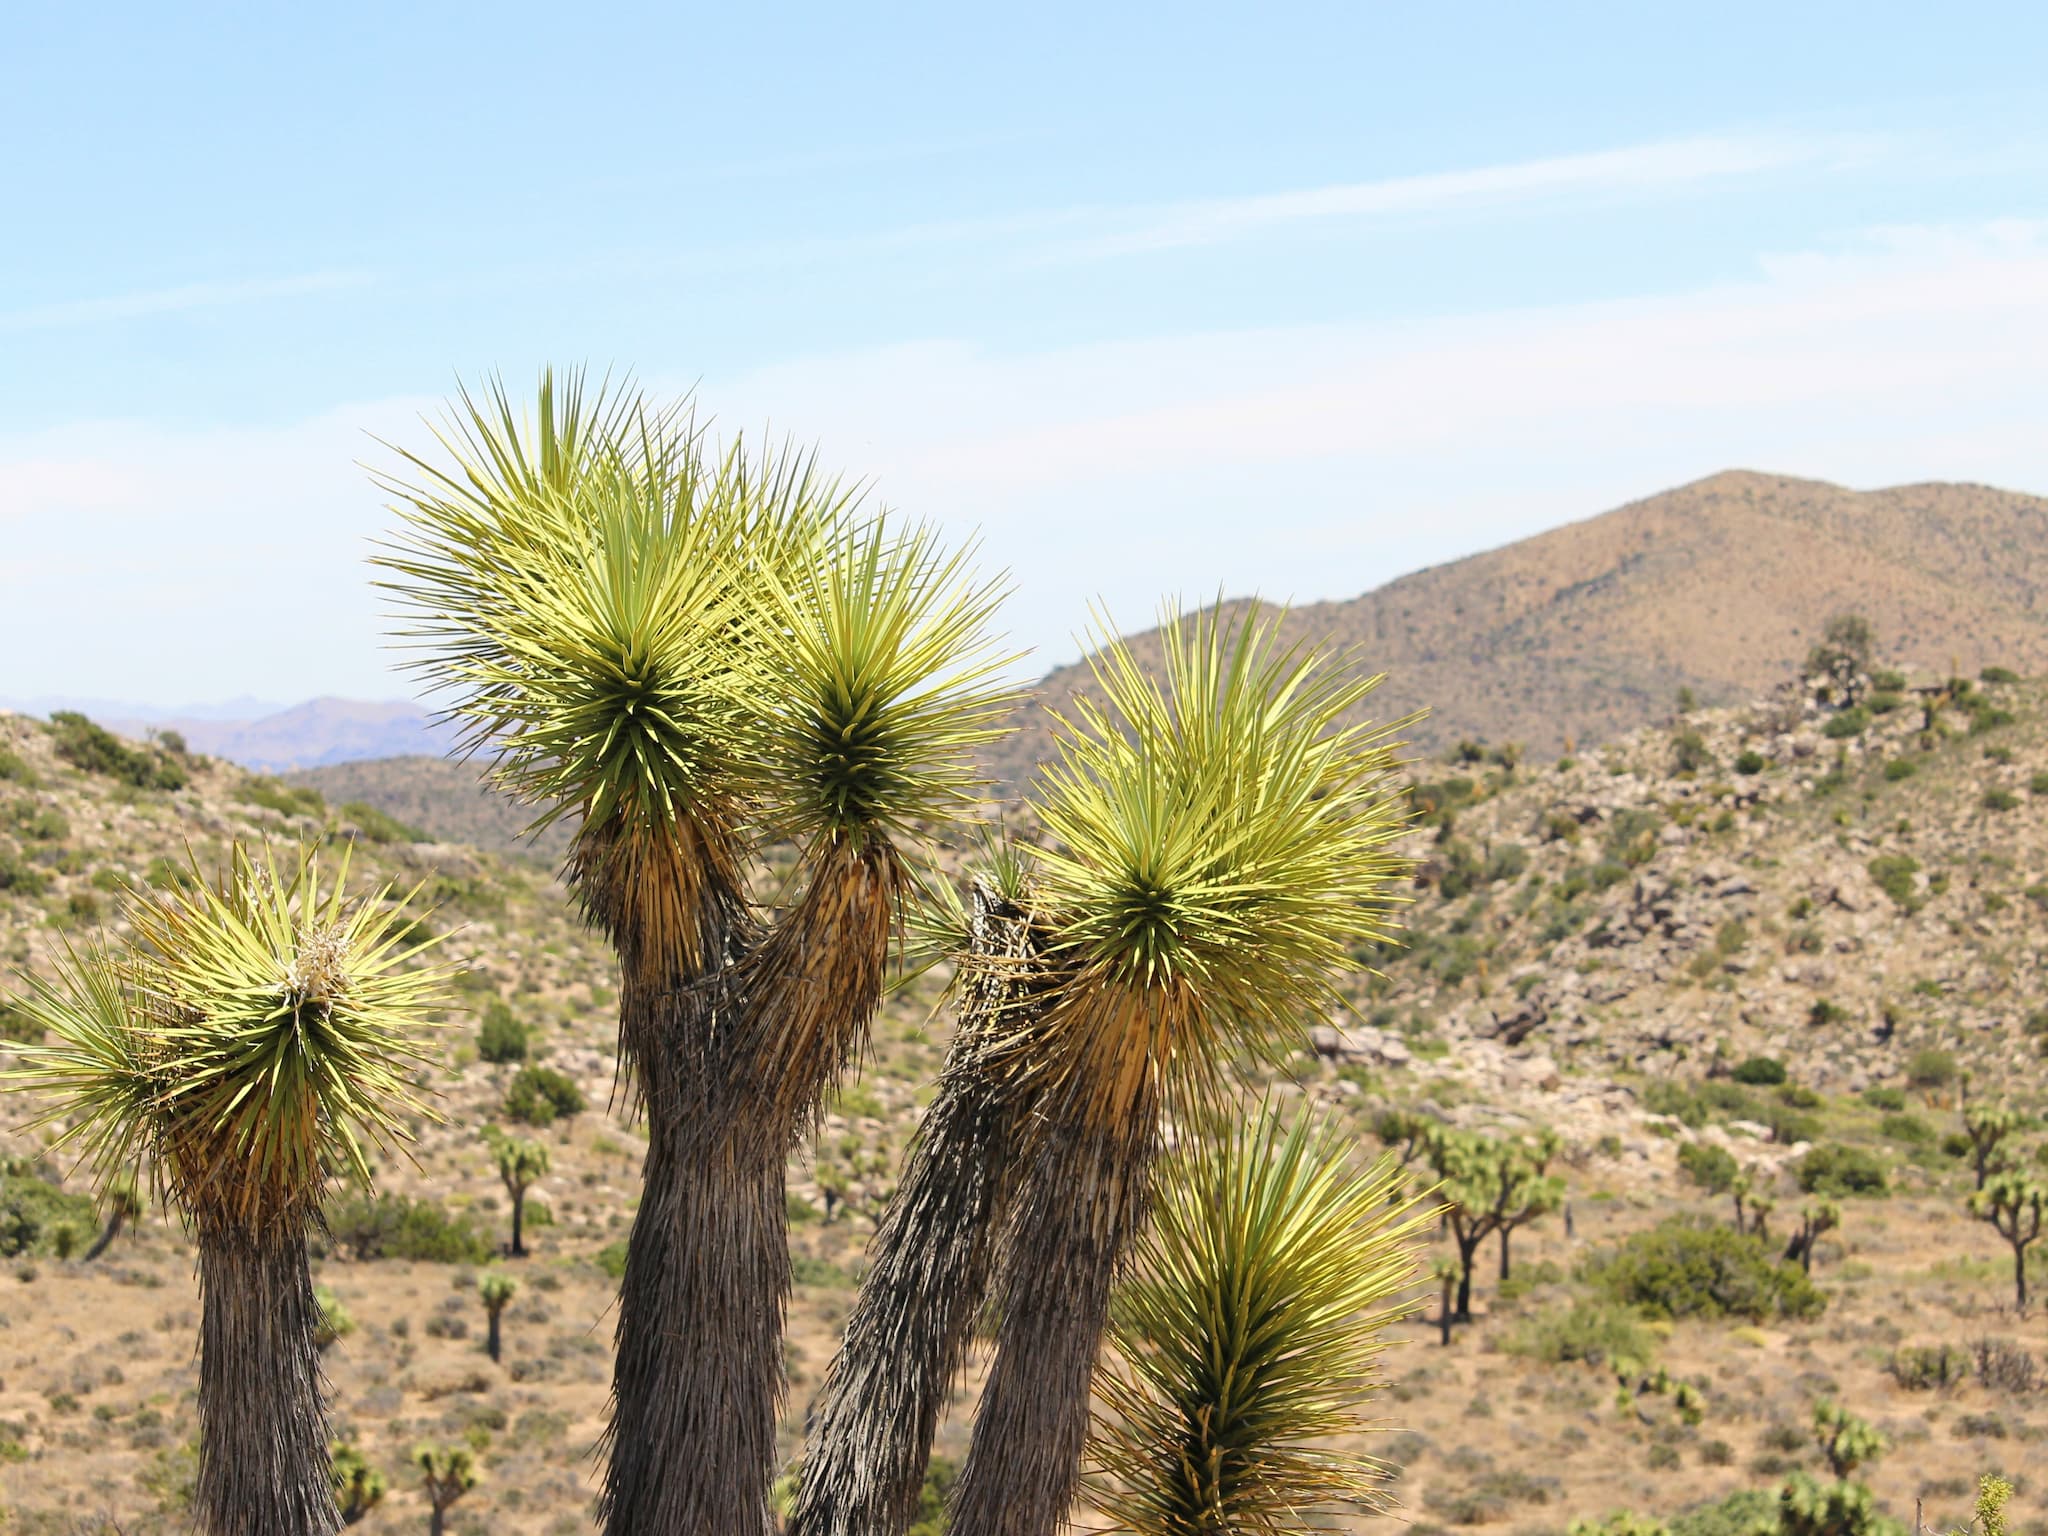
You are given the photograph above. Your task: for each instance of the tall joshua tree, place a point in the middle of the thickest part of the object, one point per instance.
(254, 1042)
(1247, 1337)
(521, 1164)
(689, 655)
(1216, 841)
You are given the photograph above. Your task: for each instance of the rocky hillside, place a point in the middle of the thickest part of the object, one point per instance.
(443, 797)
(1589, 631)
(1598, 946)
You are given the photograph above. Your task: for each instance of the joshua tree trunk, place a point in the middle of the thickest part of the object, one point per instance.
(495, 1342)
(2019, 1279)
(519, 1225)
(1468, 1254)
(108, 1233)
(437, 1522)
(1085, 1202)
(871, 1440)
(1504, 1231)
(1444, 1317)
(263, 1459)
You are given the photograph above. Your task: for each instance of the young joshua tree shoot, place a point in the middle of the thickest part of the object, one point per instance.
(521, 1165)
(1247, 1337)
(254, 1043)
(496, 1291)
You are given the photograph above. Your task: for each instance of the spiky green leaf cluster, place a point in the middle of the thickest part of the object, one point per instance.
(883, 683)
(1220, 834)
(1248, 1336)
(634, 625)
(259, 1033)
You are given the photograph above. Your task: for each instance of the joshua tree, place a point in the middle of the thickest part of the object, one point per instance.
(358, 1487)
(446, 1474)
(1813, 1221)
(1248, 1336)
(2012, 1203)
(122, 1202)
(1840, 661)
(1485, 1186)
(1809, 1507)
(496, 1291)
(1446, 1272)
(1528, 1189)
(1215, 842)
(521, 1164)
(254, 1043)
(1845, 1441)
(1987, 1126)
(688, 656)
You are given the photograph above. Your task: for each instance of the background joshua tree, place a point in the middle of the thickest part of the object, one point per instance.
(358, 1487)
(1845, 1441)
(334, 1322)
(496, 1291)
(446, 1474)
(1987, 1126)
(1529, 1191)
(1215, 843)
(253, 1043)
(688, 656)
(1248, 1335)
(1445, 1273)
(2013, 1204)
(122, 1201)
(1814, 1220)
(521, 1165)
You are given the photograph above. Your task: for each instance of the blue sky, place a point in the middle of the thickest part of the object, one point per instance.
(1158, 299)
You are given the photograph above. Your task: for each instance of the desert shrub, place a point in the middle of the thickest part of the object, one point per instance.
(20, 876)
(1986, 716)
(1760, 1071)
(1679, 1269)
(31, 1211)
(1713, 1168)
(1898, 768)
(1880, 1097)
(1612, 872)
(1740, 1514)
(612, 1259)
(1910, 1129)
(14, 768)
(1506, 862)
(97, 750)
(1999, 800)
(379, 826)
(1930, 1069)
(939, 1477)
(1631, 837)
(15, 1023)
(540, 1096)
(1894, 874)
(398, 1227)
(39, 823)
(2002, 1366)
(1749, 760)
(1597, 1333)
(1885, 701)
(1835, 1170)
(285, 799)
(502, 1036)
(1928, 1367)
(2038, 784)
(1689, 752)
(1853, 721)
(1998, 675)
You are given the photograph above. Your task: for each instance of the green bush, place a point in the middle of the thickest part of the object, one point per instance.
(98, 750)
(1597, 1333)
(13, 766)
(1835, 1171)
(397, 1227)
(38, 823)
(1894, 874)
(15, 1024)
(1751, 761)
(1930, 1069)
(540, 1096)
(1743, 1513)
(611, 1258)
(502, 1036)
(1998, 675)
(1679, 1269)
(31, 1211)
(20, 876)
(1760, 1071)
(1898, 768)
(1999, 800)
(379, 826)
(1853, 721)
(1713, 1168)
(1885, 701)
(1884, 1098)
(1907, 1128)
(2039, 783)
(285, 799)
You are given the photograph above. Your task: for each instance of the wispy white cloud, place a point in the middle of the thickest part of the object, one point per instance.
(1635, 170)
(1308, 462)
(165, 301)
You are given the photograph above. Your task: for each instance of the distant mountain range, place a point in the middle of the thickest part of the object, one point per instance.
(1579, 634)
(1587, 632)
(272, 737)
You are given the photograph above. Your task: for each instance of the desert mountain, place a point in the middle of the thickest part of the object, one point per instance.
(1589, 631)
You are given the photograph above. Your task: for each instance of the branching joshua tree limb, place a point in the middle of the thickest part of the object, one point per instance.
(1248, 1335)
(446, 1474)
(256, 1041)
(1987, 1126)
(123, 1203)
